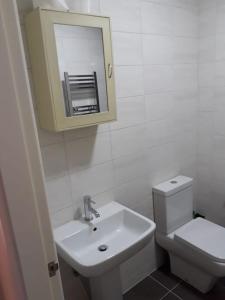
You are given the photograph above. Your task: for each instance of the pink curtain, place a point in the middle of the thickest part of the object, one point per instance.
(11, 284)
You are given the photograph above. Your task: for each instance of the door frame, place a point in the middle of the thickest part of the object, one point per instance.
(21, 165)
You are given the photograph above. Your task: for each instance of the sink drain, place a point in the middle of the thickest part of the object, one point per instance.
(103, 248)
(173, 181)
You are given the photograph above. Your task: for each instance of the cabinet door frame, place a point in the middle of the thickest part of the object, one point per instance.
(43, 52)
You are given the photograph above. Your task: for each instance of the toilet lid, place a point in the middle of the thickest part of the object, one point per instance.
(204, 236)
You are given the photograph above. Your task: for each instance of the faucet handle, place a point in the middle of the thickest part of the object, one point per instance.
(87, 199)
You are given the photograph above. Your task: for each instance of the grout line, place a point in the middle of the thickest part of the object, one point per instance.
(170, 35)
(173, 292)
(169, 290)
(165, 295)
(169, 64)
(176, 285)
(176, 295)
(160, 283)
(186, 6)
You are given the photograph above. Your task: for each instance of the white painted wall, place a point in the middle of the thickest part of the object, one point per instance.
(155, 45)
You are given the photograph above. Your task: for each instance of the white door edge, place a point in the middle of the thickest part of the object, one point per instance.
(21, 165)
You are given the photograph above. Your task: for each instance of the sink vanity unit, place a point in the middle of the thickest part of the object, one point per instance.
(96, 249)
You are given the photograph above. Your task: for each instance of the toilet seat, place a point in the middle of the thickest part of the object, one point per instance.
(203, 236)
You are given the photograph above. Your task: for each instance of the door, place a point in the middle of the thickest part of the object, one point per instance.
(21, 167)
(11, 283)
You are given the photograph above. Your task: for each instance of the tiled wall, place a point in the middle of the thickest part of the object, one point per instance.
(155, 45)
(211, 131)
(155, 56)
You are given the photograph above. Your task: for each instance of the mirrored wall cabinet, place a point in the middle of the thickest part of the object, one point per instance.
(72, 68)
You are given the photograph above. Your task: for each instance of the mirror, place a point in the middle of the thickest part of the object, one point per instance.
(82, 70)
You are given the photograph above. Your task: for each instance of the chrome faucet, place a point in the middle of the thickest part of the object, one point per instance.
(89, 211)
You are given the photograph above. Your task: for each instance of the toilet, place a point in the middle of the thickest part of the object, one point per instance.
(196, 247)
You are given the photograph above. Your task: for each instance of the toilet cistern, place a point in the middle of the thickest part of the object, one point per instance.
(89, 211)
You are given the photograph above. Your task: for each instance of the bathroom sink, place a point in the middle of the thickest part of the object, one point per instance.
(94, 248)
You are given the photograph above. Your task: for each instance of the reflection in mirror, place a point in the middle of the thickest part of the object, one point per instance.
(82, 70)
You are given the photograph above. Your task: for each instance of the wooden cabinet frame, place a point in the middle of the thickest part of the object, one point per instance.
(45, 69)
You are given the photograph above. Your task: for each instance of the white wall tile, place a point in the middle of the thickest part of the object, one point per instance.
(220, 74)
(72, 135)
(84, 6)
(128, 140)
(156, 19)
(89, 151)
(63, 216)
(185, 111)
(125, 14)
(130, 112)
(219, 122)
(186, 146)
(163, 163)
(157, 49)
(207, 21)
(206, 99)
(127, 48)
(185, 22)
(218, 173)
(129, 81)
(204, 183)
(207, 75)
(158, 78)
(205, 134)
(160, 132)
(92, 181)
(54, 160)
(178, 3)
(129, 167)
(219, 3)
(59, 193)
(159, 106)
(220, 17)
(104, 198)
(207, 49)
(131, 194)
(219, 99)
(219, 144)
(220, 47)
(203, 4)
(48, 138)
(185, 50)
(185, 77)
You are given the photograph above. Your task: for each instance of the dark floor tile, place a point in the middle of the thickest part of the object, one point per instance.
(164, 276)
(171, 296)
(186, 292)
(222, 281)
(146, 290)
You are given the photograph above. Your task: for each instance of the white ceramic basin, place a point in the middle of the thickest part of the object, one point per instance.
(122, 230)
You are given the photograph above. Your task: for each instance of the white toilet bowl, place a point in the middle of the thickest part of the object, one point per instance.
(196, 247)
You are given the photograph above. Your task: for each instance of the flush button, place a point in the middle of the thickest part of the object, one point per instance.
(173, 181)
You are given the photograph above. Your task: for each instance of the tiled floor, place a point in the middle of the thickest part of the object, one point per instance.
(163, 285)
